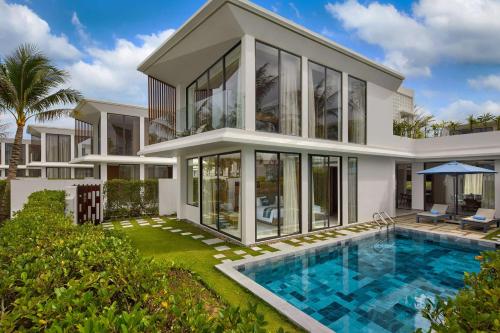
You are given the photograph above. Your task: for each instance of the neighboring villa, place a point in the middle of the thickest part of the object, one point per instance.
(103, 145)
(279, 131)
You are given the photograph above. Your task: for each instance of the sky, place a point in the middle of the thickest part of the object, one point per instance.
(448, 50)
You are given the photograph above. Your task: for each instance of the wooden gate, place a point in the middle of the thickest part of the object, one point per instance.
(89, 203)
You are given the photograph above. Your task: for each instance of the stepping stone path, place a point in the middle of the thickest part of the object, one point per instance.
(222, 248)
(166, 228)
(128, 226)
(176, 230)
(197, 236)
(240, 252)
(186, 233)
(294, 240)
(256, 248)
(248, 256)
(219, 256)
(281, 246)
(212, 241)
(226, 260)
(157, 226)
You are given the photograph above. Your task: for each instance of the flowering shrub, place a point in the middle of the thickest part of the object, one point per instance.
(57, 277)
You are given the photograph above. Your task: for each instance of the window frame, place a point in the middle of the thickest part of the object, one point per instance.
(278, 153)
(341, 198)
(132, 139)
(198, 188)
(366, 110)
(279, 87)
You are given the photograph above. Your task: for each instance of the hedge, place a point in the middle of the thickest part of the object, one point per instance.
(60, 277)
(3, 183)
(130, 198)
(476, 308)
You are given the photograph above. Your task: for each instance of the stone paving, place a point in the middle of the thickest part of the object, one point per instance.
(226, 251)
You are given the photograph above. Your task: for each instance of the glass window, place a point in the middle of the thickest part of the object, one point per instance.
(278, 90)
(58, 148)
(357, 111)
(192, 181)
(123, 135)
(277, 194)
(352, 180)
(214, 99)
(35, 148)
(123, 171)
(82, 173)
(474, 191)
(8, 153)
(325, 191)
(220, 188)
(158, 171)
(59, 173)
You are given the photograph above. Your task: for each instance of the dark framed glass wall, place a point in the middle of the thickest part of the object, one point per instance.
(221, 193)
(158, 171)
(277, 194)
(325, 102)
(58, 148)
(123, 171)
(35, 148)
(352, 181)
(82, 173)
(325, 191)
(357, 111)
(58, 173)
(277, 90)
(193, 181)
(123, 135)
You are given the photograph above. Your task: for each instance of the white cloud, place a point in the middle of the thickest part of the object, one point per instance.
(19, 24)
(81, 29)
(490, 82)
(296, 11)
(460, 109)
(112, 73)
(461, 30)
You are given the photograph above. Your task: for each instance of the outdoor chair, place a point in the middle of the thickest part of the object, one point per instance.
(483, 219)
(437, 212)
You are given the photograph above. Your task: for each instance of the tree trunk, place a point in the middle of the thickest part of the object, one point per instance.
(11, 174)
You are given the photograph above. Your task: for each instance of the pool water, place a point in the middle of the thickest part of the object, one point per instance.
(376, 284)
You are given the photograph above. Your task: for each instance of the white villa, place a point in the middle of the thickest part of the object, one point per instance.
(279, 131)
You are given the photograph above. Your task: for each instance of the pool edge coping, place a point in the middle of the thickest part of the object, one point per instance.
(294, 314)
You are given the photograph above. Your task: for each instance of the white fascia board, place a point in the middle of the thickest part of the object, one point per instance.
(6, 166)
(238, 136)
(123, 160)
(57, 165)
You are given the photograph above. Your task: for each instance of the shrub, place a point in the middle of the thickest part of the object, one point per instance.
(60, 277)
(476, 307)
(130, 198)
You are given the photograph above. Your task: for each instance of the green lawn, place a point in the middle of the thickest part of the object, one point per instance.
(492, 235)
(198, 257)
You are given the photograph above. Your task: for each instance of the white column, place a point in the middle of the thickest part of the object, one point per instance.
(142, 133)
(142, 171)
(345, 191)
(104, 133)
(497, 188)
(27, 153)
(345, 107)
(72, 152)
(248, 79)
(305, 192)
(2, 158)
(248, 195)
(180, 119)
(43, 153)
(104, 172)
(305, 97)
(181, 186)
(417, 186)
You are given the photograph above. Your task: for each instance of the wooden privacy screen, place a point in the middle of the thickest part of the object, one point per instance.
(83, 132)
(162, 111)
(89, 203)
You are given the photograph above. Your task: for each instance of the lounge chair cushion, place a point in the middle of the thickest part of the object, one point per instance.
(434, 211)
(479, 217)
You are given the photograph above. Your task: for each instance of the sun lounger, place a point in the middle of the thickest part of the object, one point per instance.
(483, 219)
(437, 212)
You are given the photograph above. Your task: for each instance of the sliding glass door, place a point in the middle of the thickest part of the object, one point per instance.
(221, 193)
(352, 180)
(325, 191)
(277, 194)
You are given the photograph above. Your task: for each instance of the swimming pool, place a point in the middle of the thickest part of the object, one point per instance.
(374, 284)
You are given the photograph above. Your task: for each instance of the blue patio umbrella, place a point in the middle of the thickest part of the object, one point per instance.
(455, 168)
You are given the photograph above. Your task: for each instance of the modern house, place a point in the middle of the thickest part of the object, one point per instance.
(6, 146)
(279, 131)
(108, 137)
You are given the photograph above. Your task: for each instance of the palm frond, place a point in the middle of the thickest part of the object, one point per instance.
(54, 114)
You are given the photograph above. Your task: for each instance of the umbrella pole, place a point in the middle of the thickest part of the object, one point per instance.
(456, 196)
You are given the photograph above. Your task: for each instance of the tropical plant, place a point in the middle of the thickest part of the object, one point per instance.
(497, 122)
(485, 119)
(452, 127)
(471, 121)
(3, 130)
(475, 307)
(30, 88)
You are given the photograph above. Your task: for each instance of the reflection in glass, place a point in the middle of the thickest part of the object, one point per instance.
(289, 193)
(58, 148)
(229, 194)
(352, 180)
(192, 181)
(325, 191)
(158, 171)
(123, 171)
(58, 173)
(357, 111)
(123, 135)
(209, 191)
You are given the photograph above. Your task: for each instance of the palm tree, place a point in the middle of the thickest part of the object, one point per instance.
(3, 130)
(497, 122)
(485, 118)
(471, 120)
(30, 88)
(453, 127)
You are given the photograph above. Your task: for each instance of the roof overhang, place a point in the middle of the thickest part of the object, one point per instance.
(220, 24)
(97, 159)
(57, 165)
(89, 110)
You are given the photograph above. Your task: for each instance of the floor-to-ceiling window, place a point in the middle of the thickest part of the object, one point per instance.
(403, 185)
(193, 179)
(474, 191)
(277, 90)
(352, 193)
(157, 171)
(277, 194)
(123, 171)
(221, 193)
(357, 111)
(123, 134)
(325, 189)
(214, 100)
(58, 148)
(58, 173)
(325, 98)
(82, 173)
(35, 148)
